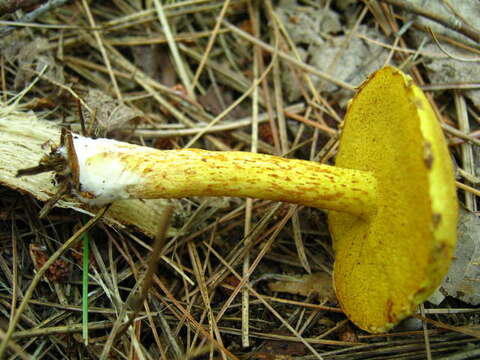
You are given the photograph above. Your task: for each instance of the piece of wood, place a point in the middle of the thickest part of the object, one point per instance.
(24, 139)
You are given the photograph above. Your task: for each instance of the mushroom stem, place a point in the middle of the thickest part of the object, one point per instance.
(110, 170)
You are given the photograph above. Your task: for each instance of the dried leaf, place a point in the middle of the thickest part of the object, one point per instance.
(280, 350)
(348, 59)
(320, 283)
(57, 272)
(151, 60)
(348, 334)
(110, 114)
(30, 57)
(443, 69)
(462, 281)
(305, 24)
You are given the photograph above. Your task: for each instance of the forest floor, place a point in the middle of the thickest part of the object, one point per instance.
(215, 278)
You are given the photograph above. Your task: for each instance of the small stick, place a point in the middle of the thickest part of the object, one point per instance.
(181, 66)
(31, 16)
(17, 348)
(10, 6)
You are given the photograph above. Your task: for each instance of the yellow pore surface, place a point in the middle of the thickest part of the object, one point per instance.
(385, 267)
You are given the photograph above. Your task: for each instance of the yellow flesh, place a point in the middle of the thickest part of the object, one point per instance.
(385, 267)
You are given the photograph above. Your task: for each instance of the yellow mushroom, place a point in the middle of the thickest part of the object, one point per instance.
(391, 197)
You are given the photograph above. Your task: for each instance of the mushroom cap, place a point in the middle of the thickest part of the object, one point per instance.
(390, 262)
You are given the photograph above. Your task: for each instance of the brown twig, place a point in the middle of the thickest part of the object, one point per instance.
(31, 16)
(10, 6)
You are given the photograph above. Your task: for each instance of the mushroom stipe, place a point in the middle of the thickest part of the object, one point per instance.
(391, 195)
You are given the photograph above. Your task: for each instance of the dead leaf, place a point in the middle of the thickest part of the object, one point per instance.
(462, 281)
(31, 57)
(110, 114)
(320, 283)
(57, 272)
(348, 334)
(443, 69)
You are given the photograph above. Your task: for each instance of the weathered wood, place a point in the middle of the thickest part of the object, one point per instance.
(24, 139)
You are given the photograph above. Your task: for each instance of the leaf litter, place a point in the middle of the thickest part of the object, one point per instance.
(345, 39)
